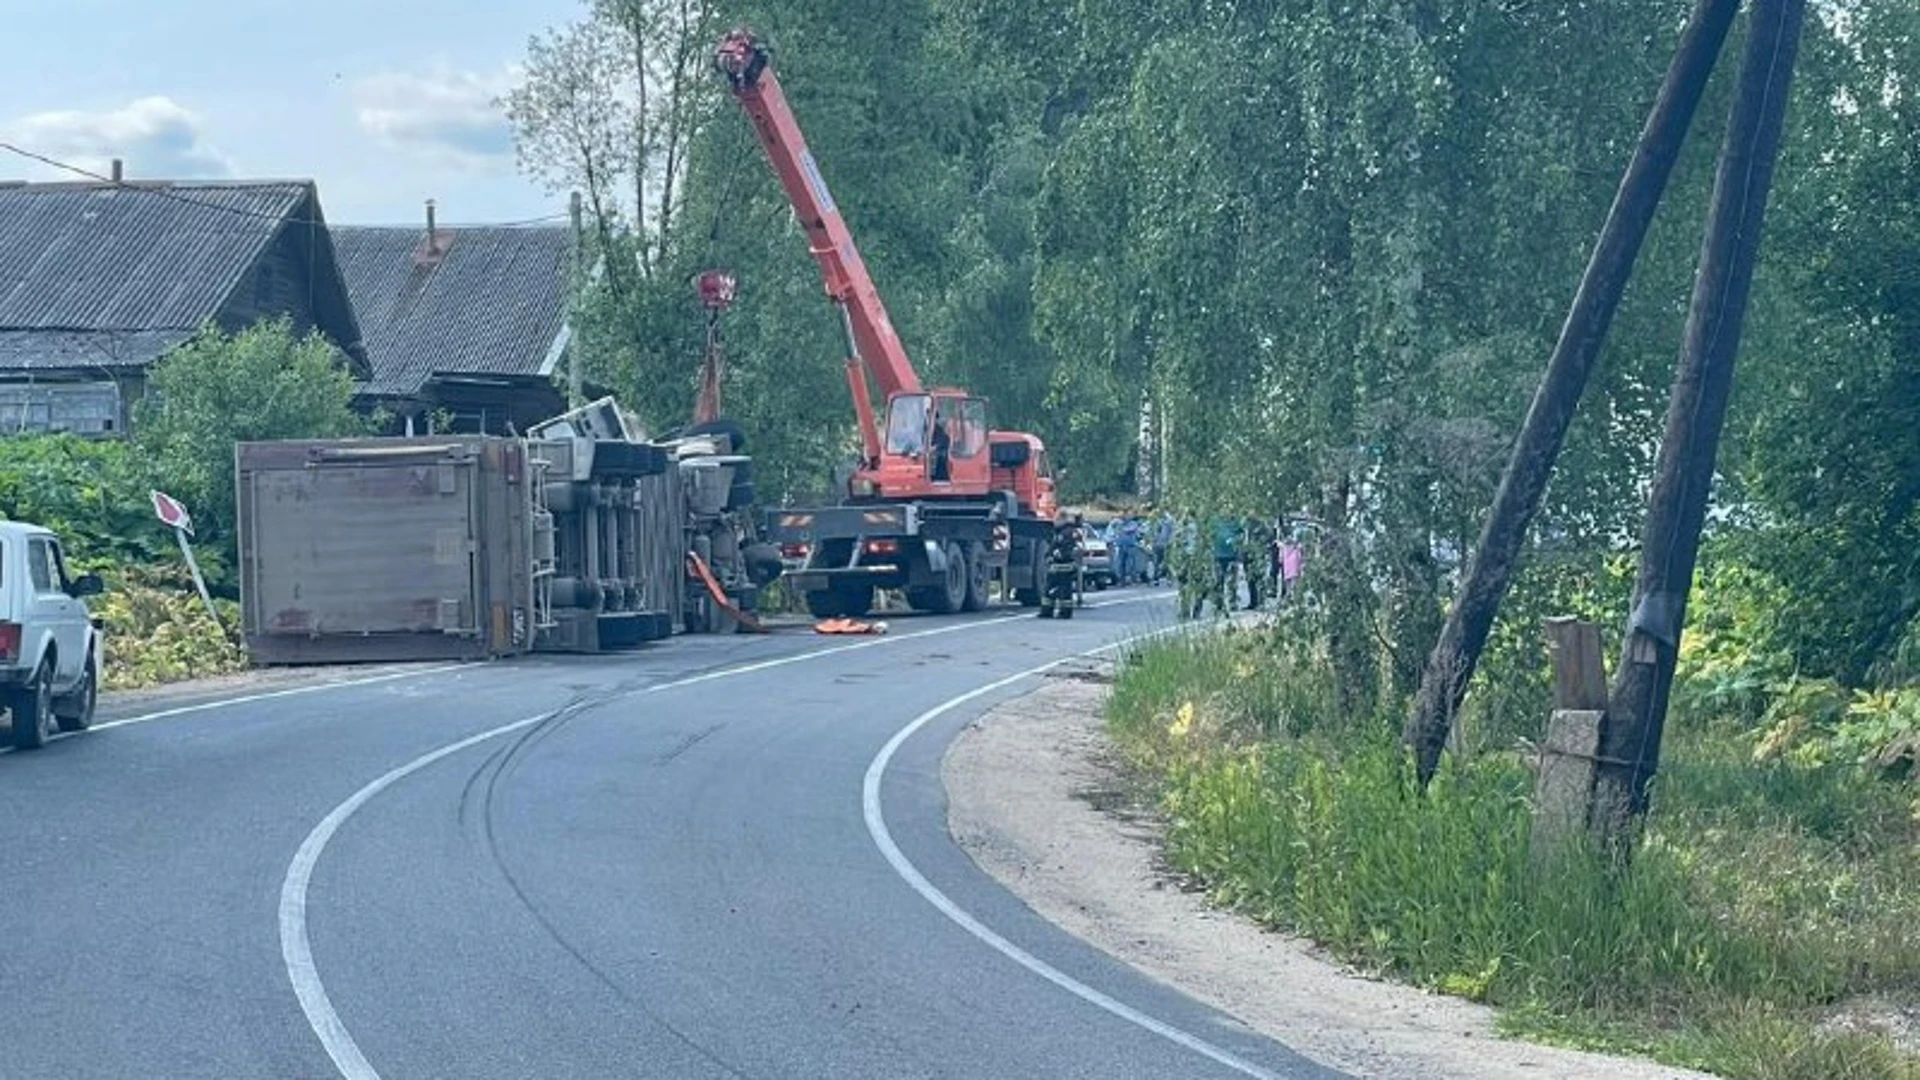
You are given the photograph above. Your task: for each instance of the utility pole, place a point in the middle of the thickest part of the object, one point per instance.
(1637, 706)
(575, 394)
(1450, 667)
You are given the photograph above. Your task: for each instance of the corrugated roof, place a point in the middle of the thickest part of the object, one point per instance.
(493, 302)
(70, 350)
(132, 258)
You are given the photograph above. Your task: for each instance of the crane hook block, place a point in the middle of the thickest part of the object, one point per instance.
(716, 290)
(741, 57)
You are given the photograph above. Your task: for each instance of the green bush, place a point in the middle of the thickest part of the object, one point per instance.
(91, 492)
(158, 631)
(264, 382)
(261, 383)
(1759, 895)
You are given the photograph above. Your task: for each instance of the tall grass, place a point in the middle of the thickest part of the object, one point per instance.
(1757, 898)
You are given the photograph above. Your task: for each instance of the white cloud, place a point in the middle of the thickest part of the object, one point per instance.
(447, 114)
(156, 137)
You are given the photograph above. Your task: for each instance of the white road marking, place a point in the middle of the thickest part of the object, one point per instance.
(296, 947)
(249, 699)
(342, 684)
(883, 839)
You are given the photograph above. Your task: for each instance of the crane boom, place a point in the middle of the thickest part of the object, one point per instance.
(743, 60)
(936, 445)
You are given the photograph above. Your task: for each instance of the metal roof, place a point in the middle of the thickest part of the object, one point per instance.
(101, 257)
(481, 301)
(114, 275)
(73, 350)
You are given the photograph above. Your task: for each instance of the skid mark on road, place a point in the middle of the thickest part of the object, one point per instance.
(296, 947)
(546, 726)
(687, 743)
(883, 839)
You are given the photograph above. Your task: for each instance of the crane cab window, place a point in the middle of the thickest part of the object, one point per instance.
(907, 417)
(967, 422)
(961, 425)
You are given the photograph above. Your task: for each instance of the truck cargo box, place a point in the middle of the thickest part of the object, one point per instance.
(385, 549)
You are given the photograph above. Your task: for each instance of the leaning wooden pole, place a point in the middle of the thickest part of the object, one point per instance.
(1637, 706)
(1450, 667)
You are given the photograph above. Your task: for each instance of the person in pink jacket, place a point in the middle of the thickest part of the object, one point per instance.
(1291, 558)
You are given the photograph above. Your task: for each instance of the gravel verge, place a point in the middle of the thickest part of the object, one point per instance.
(1036, 797)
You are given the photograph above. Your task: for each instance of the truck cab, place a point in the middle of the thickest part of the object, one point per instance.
(50, 649)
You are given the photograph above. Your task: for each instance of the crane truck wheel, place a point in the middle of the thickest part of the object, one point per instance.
(946, 597)
(978, 580)
(856, 600)
(845, 600)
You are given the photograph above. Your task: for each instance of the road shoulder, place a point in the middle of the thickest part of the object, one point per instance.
(1035, 798)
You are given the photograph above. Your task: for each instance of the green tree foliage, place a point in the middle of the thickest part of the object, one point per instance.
(91, 492)
(264, 382)
(1330, 245)
(1832, 462)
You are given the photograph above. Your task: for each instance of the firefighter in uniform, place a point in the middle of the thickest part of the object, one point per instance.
(1062, 591)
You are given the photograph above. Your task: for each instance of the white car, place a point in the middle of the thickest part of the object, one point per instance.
(1096, 562)
(50, 648)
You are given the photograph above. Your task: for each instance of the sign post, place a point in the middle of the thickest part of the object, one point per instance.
(174, 515)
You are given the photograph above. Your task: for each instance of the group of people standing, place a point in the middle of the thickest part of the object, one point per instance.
(1215, 559)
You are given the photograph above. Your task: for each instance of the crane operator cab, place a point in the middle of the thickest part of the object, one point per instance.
(937, 438)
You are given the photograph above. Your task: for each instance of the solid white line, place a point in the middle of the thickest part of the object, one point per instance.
(249, 699)
(883, 839)
(296, 948)
(269, 695)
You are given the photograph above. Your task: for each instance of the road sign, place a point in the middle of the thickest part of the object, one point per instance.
(171, 513)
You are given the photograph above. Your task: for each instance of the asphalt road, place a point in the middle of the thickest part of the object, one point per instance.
(684, 862)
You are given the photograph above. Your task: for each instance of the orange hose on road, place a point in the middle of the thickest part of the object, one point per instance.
(699, 567)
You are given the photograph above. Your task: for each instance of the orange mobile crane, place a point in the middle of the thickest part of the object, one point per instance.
(939, 503)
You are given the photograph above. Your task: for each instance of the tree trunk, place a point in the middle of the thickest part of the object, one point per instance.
(1451, 665)
(1630, 740)
(1347, 589)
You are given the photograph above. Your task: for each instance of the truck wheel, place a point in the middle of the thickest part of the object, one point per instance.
(946, 597)
(76, 712)
(824, 604)
(1027, 597)
(32, 706)
(949, 597)
(856, 601)
(979, 581)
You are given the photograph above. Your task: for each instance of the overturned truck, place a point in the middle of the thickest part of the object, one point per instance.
(580, 537)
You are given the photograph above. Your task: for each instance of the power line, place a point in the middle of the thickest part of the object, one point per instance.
(169, 193)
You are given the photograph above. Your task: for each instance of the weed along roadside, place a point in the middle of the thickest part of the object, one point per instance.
(1762, 928)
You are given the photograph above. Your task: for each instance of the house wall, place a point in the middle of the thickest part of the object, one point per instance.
(279, 283)
(94, 407)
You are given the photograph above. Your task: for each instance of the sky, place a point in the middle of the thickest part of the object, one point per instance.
(384, 103)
